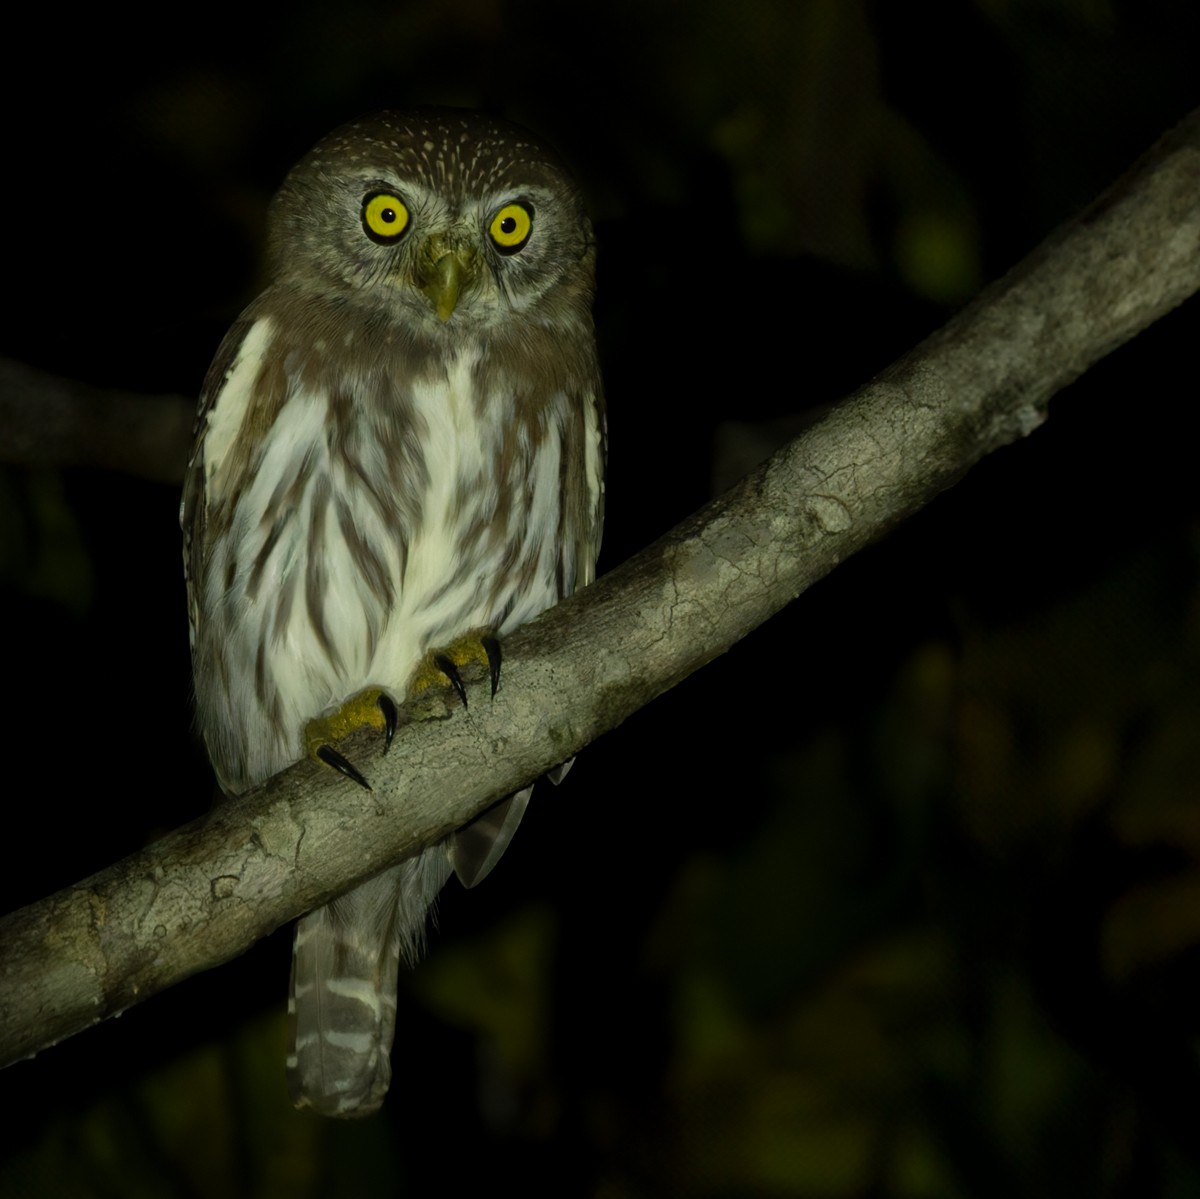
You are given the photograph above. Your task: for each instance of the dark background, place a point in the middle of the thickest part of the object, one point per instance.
(898, 898)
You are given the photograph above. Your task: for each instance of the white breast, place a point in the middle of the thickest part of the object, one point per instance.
(307, 627)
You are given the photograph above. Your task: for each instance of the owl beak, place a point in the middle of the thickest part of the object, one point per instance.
(448, 269)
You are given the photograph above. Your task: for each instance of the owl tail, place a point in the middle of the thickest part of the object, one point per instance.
(342, 1008)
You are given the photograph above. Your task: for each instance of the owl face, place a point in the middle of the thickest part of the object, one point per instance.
(440, 219)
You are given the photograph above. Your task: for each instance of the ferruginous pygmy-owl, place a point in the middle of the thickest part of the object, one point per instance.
(399, 457)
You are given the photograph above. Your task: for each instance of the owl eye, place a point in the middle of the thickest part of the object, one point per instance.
(384, 217)
(511, 227)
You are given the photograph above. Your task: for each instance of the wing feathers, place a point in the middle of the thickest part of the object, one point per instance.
(477, 847)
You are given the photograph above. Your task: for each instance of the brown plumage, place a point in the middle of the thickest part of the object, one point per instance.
(401, 440)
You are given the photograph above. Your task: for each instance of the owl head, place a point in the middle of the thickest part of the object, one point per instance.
(438, 218)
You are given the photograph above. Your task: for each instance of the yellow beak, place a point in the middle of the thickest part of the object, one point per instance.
(447, 271)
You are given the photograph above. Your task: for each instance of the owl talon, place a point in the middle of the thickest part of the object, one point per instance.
(491, 647)
(331, 757)
(390, 718)
(369, 709)
(446, 665)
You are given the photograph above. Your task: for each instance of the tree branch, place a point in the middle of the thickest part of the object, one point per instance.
(54, 421)
(209, 890)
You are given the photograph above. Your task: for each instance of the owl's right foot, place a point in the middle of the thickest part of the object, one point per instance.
(372, 708)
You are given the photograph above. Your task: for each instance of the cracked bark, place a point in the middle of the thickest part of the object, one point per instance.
(207, 891)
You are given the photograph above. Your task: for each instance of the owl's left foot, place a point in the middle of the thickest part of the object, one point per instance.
(372, 708)
(474, 649)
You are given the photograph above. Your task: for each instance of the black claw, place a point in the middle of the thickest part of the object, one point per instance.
(389, 720)
(331, 757)
(446, 665)
(491, 647)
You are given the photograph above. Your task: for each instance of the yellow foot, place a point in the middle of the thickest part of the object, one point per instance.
(371, 708)
(478, 648)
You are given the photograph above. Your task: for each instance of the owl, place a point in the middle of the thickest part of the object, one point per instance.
(399, 458)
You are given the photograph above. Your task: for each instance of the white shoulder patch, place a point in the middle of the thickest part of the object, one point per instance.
(593, 448)
(227, 411)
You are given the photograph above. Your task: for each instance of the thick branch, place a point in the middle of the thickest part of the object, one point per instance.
(209, 890)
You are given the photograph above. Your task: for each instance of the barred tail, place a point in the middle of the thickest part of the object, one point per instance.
(342, 1007)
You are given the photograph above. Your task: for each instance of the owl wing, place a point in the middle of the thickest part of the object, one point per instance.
(595, 468)
(478, 846)
(193, 508)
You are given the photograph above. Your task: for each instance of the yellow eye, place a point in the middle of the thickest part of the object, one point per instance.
(511, 227)
(384, 217)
